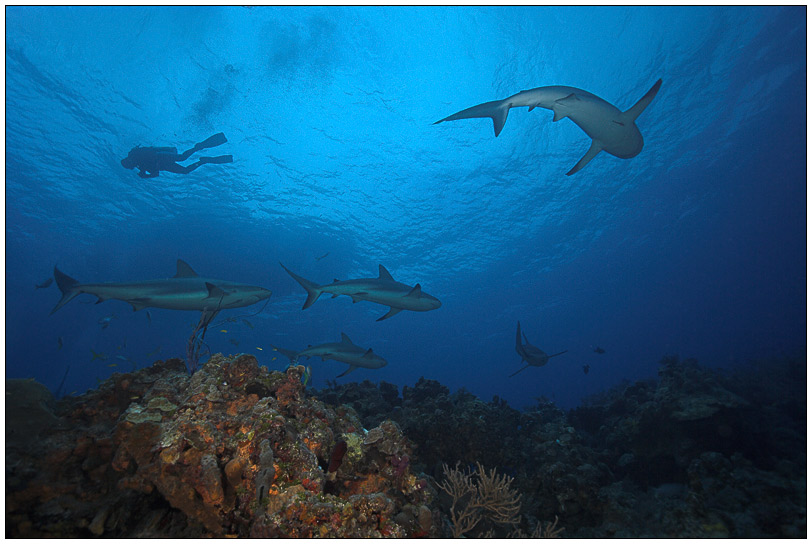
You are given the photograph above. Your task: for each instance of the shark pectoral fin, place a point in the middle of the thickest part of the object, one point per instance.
(556, 354)
(214, 291)
(335, 295)
(392, 311)
(594, 149)
(633, 112)
(518, 371)
(415, 292)
(352, 367)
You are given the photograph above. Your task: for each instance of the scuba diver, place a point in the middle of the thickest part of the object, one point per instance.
(151, 160)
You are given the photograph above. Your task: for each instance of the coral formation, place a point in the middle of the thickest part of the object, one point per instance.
(238, 450)
(232, 450)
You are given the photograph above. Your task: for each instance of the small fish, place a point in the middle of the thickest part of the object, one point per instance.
(72, 392)
(111, 365)
(323, 256)
(135, 397)
(234, 341)
(44, 284)
(122, 358)
(149, 317)
(153, 352)
(105, 321)
(259, 348)
(586, 369)
(308, 373)
(599, 349)
(59, 343)
(248, 323)
(101, 356)
(223, 330)
(274, 359)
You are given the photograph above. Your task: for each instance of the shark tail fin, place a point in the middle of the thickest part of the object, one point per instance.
(496, 110)
(635, 111)
(68, 286)
(290, 354)
(313, 289)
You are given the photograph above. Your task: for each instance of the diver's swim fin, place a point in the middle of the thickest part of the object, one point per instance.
(212, 141)
(222, 159)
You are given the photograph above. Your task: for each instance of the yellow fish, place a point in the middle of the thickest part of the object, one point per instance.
(259, 348)
(223, 330)
(112, 365)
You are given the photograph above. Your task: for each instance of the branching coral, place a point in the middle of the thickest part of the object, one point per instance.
(480, 494)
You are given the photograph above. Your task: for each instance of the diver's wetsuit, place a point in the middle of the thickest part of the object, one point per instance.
(151, 160)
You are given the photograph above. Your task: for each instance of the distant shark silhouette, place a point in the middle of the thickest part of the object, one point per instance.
(383, 290)
(344, 351)
(530, 353)
(185, 291)
(611, 130)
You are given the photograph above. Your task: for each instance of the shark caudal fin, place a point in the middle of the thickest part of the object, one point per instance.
(638, 108)
(68, 286)
(496, 110)
(313, 289)
(290, 354)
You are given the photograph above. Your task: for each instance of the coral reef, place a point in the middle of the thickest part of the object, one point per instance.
(237, 450)
(234, 450)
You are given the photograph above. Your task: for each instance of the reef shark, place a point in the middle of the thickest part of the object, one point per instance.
(530, 353)
(344, 351)
(611, 130)
(383, 290)
(184, 291)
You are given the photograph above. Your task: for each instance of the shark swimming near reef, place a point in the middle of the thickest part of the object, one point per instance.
(611, 130)
(184, 291)
(344, 351)
(530, 353)
(383, 290)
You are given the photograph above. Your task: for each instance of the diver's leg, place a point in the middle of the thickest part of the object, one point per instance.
(180, 169)
(211, 141)
(222, 159)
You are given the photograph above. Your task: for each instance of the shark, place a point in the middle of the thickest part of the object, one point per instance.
(382, 290)
(611, 129)
(344, 351)
(186, 290)
(530, 353)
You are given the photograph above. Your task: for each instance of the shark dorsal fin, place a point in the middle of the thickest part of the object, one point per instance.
(383, 273)
(415, 292)
(215, 291)
(345, 339)
(184, 270)
(369, 354)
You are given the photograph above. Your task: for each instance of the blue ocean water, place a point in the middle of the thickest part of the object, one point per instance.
(695, 247)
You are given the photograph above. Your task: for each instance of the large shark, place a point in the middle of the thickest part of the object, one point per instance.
(611, 130)
(344, 351)
(383, 290)
(530, 353)
(185, 291)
